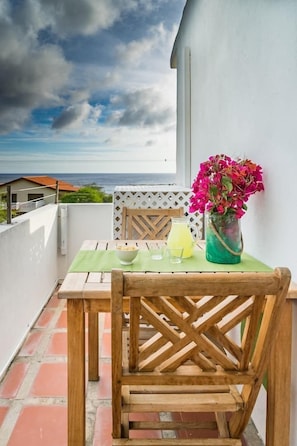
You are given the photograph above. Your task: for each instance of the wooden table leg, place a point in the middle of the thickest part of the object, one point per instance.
(76, 373)
(93, 344)
(279, 383)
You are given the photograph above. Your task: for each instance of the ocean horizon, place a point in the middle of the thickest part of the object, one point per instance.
(108, 181)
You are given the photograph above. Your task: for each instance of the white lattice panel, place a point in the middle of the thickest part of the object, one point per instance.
(164, 197)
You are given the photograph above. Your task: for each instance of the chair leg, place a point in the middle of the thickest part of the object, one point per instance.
(125, 415)
(222, 425)
(116, 412)
(125, 425)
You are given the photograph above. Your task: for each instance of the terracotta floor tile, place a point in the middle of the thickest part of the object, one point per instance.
(103, 427)
(55, 302)
(104, 386)
(62, 320)
(197, 433)
(40, 426)
(3, 412)
(107, 321)
(86, 321)
(102, 435)
(57, 344)
(145, 433)
(106, 345)
(30, 347)
(51, 380)
(149, 416)
(45, 318)
(13, 380)
(46, 424)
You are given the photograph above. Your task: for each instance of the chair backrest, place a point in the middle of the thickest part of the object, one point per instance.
(195, 317)
(153, 224)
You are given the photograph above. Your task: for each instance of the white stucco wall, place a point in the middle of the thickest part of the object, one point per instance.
(244, 103)
(84, 221)
(28, 275)
(31, 263)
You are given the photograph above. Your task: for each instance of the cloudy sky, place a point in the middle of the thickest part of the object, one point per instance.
(86, 85)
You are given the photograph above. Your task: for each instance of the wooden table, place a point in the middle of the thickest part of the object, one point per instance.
(90, 293)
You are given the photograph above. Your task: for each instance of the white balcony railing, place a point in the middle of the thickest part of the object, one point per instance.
(32, 263)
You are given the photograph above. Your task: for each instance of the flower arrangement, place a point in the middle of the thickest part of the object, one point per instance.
(223, 185)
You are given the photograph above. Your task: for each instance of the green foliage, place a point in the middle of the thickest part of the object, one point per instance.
(3, 215)
(87, 194)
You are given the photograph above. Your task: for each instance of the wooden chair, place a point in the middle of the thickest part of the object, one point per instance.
(194, 362)
(142, 224)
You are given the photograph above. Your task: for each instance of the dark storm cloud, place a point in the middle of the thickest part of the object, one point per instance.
(41, 66)
(34, 74)
(67, 118)
(70, 17)
(29, 78)
(77, 17)
(75, 116)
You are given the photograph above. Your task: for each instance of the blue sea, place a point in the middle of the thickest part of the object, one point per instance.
(108, 181)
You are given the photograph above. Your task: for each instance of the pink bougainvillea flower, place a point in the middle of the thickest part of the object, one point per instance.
(224, 185)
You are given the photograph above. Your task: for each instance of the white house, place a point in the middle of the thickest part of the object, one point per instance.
(236, 64)
(30, 192)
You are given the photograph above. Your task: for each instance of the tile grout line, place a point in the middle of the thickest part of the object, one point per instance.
(94, 401)
(16, 404)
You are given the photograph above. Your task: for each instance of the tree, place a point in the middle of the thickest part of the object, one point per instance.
(3, 215)
(87, 194)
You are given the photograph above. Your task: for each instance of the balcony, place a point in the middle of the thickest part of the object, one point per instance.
(36, 251)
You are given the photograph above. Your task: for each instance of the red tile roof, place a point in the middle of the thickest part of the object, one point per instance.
(51, 182)
(47, 181)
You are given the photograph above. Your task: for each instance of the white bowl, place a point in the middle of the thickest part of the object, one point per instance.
(126, 254)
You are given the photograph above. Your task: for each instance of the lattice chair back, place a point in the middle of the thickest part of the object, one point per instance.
(152, 224)
(208, 351)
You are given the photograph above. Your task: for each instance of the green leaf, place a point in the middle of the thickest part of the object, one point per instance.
(227, 182)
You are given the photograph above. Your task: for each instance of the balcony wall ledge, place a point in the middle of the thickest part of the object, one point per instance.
(31, 263)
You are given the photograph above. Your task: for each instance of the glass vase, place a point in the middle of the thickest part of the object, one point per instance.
(223, 239)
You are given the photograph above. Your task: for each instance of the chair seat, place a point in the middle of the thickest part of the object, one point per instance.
(157, 401)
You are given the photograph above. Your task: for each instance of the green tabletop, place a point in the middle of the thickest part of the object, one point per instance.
(105, 261)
